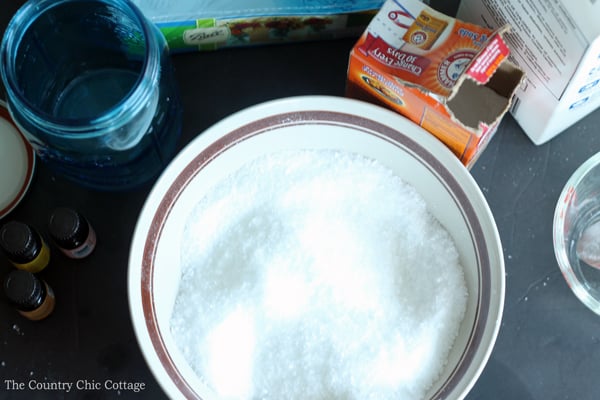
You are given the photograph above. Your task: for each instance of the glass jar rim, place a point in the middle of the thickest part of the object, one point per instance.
(116, 115)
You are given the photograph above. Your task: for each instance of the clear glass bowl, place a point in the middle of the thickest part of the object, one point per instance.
(576, 233)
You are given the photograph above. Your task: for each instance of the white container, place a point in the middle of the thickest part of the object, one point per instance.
(557, 44)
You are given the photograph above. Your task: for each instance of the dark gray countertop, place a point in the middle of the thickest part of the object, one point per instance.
(549, 343)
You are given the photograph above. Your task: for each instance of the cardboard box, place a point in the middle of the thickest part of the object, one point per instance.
(450, 77)
(199, 25)
(557, 44)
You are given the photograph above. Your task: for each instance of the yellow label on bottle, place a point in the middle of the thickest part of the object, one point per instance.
(38, 263)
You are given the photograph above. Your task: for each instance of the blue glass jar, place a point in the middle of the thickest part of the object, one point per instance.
(91, 85)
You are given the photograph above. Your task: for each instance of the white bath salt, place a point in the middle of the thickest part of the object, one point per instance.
(317, 275)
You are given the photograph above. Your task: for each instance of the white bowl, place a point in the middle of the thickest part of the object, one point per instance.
(315, 122)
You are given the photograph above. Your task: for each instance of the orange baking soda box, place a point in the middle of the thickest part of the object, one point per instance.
(452, 78)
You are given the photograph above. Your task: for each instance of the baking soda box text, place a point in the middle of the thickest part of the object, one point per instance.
(450, 77)
(557, 44)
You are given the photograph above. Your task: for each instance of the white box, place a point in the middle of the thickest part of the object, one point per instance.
(557, 44)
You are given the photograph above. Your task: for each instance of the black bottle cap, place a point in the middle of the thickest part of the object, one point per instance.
(24, 290)
(20, 242)
(68, 228)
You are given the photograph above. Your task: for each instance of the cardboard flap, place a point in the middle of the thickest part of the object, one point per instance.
(474, 103)
(485, 63)
(483, 66)
(484, 91)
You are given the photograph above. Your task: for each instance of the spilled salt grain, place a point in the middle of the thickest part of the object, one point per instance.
(317, 274)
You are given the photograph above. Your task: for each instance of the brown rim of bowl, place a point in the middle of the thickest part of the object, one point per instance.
(311, 118)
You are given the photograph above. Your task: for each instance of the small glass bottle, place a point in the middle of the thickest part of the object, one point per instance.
(32, 297)
(72, 233)
(24, 246)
